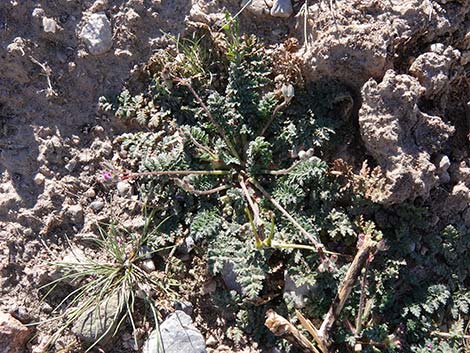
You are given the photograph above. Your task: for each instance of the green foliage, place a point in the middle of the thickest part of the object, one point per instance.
(117, 274)
(243, 170)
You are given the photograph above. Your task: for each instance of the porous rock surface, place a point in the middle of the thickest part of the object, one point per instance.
(359, 39)
(433, 70)
(400, 136)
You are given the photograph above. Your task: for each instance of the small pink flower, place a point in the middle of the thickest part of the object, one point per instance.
(107, 176)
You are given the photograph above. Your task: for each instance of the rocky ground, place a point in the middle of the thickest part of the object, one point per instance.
(57, 57)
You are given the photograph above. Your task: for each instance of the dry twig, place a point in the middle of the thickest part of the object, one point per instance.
(281, 327)
(50, 92)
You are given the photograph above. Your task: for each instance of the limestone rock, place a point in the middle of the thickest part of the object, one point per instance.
(433, 69)
(282, 8)
(178, 334)
(13, 334)
(400, 136)
(256, 7)
(97, 33)
(353, 47)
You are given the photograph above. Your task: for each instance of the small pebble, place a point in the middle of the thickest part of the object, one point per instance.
(49, 25)
(70, 166)
(97, 33)
(38, 12)
(437, 48)
(98, 129)
(75, 212)
(90, 193)
(148, 266)
(124, 188)
(444, 163)
(282, 8)
(39, 179)
(212, 341)
(97, 205)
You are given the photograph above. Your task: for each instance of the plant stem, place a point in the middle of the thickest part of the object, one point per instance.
(362, 301)
(175, 172)
(211, 117)
(273, 115)
(282, 327)
(318, 246)
(200, 145)
(189, 188)
(281, 171)
(345, 288)
(303, 247)
(257, 222)
(211, 191)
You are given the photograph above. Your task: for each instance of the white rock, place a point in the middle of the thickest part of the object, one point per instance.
(443, 163)
(18, 45)
(38, 12)
(178, 334)
(97, 33)
(123, 188)
(50, 25)
(39, 179)
(437, 48)
(70, 166)
(148, 265)
(282, 8)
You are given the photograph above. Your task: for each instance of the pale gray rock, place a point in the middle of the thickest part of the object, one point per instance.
(39, 179)
(282, 8)
(148, 265)
(97, 205)
(38, 12)
(74, 213)
(365, 46)
(100, 320)
(256, 7)
(443, 164)
(97, 33)
(178, 335)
